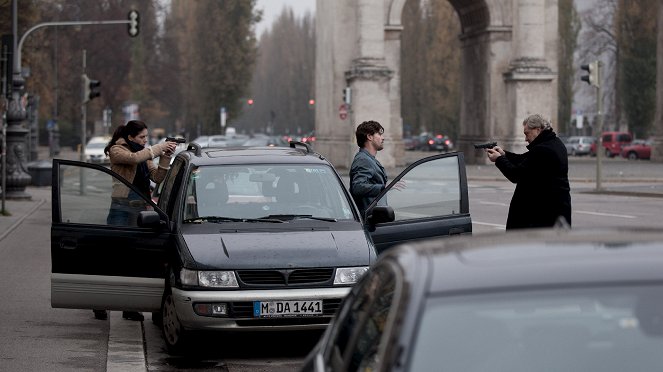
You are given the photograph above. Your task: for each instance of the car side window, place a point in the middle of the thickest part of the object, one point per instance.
(362, 332)
(431, 189)
(170, 187)
(85, 198)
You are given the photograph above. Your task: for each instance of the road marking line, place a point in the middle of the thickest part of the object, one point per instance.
(494, 203)
(605, 214)
(495, 225)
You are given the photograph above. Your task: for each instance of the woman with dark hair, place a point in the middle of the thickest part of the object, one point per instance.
(130, 159)
(133, 161)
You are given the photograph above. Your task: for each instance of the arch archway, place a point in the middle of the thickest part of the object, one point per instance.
(508, 71)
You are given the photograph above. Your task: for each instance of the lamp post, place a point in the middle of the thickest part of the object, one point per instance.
(17, 177)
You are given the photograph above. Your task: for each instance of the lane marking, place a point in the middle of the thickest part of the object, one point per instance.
(605, 214)
(495, 225)
(493, 203)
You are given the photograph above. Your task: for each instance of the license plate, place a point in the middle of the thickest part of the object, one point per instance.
(266, 309)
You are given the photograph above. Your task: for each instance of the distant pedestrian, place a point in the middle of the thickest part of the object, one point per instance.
(542, 192)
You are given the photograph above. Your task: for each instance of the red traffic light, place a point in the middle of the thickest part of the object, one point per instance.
(311, 102)
(250, 101)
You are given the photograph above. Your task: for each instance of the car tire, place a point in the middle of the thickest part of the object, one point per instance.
(632, 155)
(172, 331)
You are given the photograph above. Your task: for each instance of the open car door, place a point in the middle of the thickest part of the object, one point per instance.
(428, 199)
(96, 265)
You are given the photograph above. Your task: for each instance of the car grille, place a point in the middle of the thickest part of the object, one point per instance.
(286, 278)
(245, 309)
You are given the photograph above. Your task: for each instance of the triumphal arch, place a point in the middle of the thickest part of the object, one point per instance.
(509, 70)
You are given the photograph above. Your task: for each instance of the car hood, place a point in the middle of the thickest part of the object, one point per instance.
(286, 249)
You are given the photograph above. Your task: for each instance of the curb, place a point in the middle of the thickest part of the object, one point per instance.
(21, 219)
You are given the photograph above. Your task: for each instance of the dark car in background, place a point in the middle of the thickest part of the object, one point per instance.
(240, 239)
(553, 300)
(265, 141)
(437, 142)
(638, 149)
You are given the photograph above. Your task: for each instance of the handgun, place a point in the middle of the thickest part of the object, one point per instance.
(487, 145)
(176, 139)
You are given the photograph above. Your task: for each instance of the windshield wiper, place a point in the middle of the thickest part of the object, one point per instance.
(217, 219)
(288, 217)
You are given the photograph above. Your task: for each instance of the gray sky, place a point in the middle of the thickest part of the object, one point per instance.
(272, 9)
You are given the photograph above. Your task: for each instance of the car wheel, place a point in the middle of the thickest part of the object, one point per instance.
(171, 328)
(632, 155)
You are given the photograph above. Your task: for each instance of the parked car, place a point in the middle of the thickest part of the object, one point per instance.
(94, 150)
(638, 149)
(579, 145)
(241, 239)
(554, 300)
(613, 143)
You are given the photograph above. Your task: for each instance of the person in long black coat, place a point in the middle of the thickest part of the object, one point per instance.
(542, 194)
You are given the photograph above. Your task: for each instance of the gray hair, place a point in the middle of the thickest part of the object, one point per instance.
(537, 121)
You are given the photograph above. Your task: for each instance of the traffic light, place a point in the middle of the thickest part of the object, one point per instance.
(347, 95)
(311, 102)
(593, 73)
(249, 102)
(90, 89)
(134, 18)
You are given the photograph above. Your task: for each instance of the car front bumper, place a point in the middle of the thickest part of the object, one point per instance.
(240, 305)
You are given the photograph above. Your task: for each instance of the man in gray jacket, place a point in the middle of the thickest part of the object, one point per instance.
(367, 176)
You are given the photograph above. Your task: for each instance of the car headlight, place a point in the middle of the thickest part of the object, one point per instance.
(215, 279)
(349, 275)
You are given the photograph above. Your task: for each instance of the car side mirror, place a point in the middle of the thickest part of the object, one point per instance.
(380, 214)
(149, 219)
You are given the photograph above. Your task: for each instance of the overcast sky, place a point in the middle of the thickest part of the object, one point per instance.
(272, 9)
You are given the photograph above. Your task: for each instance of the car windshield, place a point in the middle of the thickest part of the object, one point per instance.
(257, 193)
(591, 329)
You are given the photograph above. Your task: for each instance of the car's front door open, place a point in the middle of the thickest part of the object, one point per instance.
(97, 264)
(429, 199)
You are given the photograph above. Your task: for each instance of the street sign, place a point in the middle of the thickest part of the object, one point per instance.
(223, 116)
(343, 112)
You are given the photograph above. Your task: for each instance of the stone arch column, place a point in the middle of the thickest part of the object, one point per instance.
(508, 61)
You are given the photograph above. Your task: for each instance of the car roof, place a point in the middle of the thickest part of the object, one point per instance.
(536, 258)
(242, 155)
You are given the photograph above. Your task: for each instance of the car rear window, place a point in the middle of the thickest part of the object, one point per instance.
(590, 329)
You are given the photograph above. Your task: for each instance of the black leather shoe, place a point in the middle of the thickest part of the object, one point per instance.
(100, 314)
(132, 315)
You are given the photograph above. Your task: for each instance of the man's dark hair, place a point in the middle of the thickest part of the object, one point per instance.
(366, 129)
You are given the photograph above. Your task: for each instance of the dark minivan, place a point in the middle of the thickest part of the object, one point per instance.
(258, 238)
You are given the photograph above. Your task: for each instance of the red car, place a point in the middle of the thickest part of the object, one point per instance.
(638, 149)
(613, 142)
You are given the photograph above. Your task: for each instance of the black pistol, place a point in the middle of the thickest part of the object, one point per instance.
(176, 139)
(487, 145)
